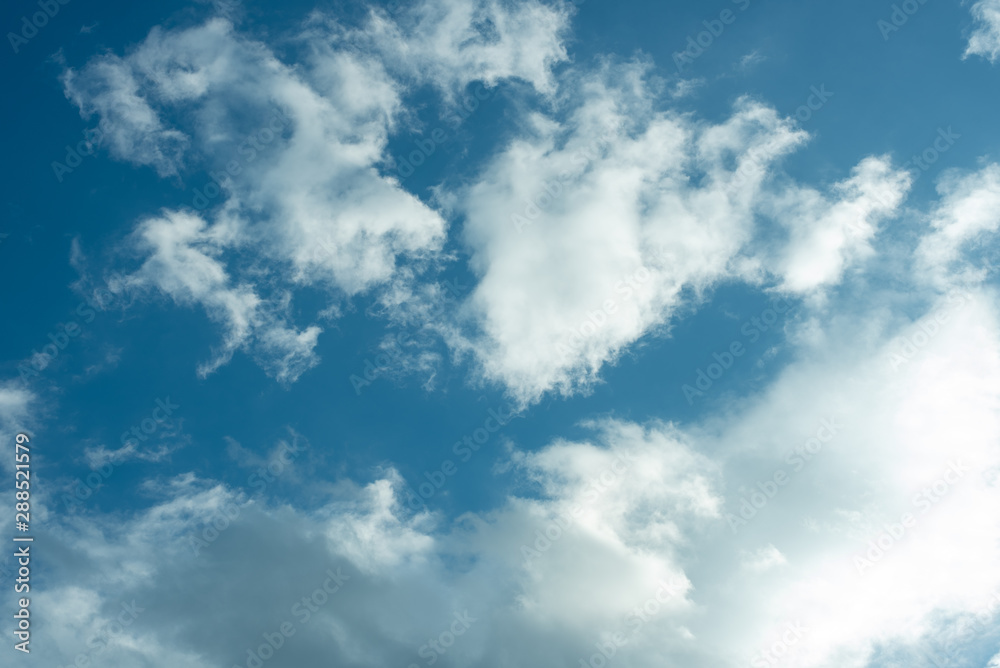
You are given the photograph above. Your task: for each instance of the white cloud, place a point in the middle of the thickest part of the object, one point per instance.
(182, 263)
(635, 509)
(589, 233)
(985, 38)
(763, 559)
(877, 417)
(134, 131)
(454, 42)
(602, 527)
(826, 236)
(967, 216)
(16, 405)
(296, 152)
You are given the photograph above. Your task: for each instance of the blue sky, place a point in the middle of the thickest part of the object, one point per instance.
(719, 321)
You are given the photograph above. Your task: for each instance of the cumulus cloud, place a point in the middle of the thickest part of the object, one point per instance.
(453, 42)
(590, 231)
(405, 575)
(297, 158)
(847, 509)
(295, 153)
(882, 527)
(985, 38)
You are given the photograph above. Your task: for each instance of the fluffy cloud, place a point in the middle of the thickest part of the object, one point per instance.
(966, 217)
(985, 38)
(296, 157)
(826, 235)
(182, 264)
(881, 528)
(453, 42)
(295, 153)
(589, 232)
(848, 509)
(109, 87)
(626, 500)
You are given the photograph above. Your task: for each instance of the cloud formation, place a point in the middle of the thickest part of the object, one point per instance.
(295, 153)
(705, 561)
(985, 38)
(589, 231)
